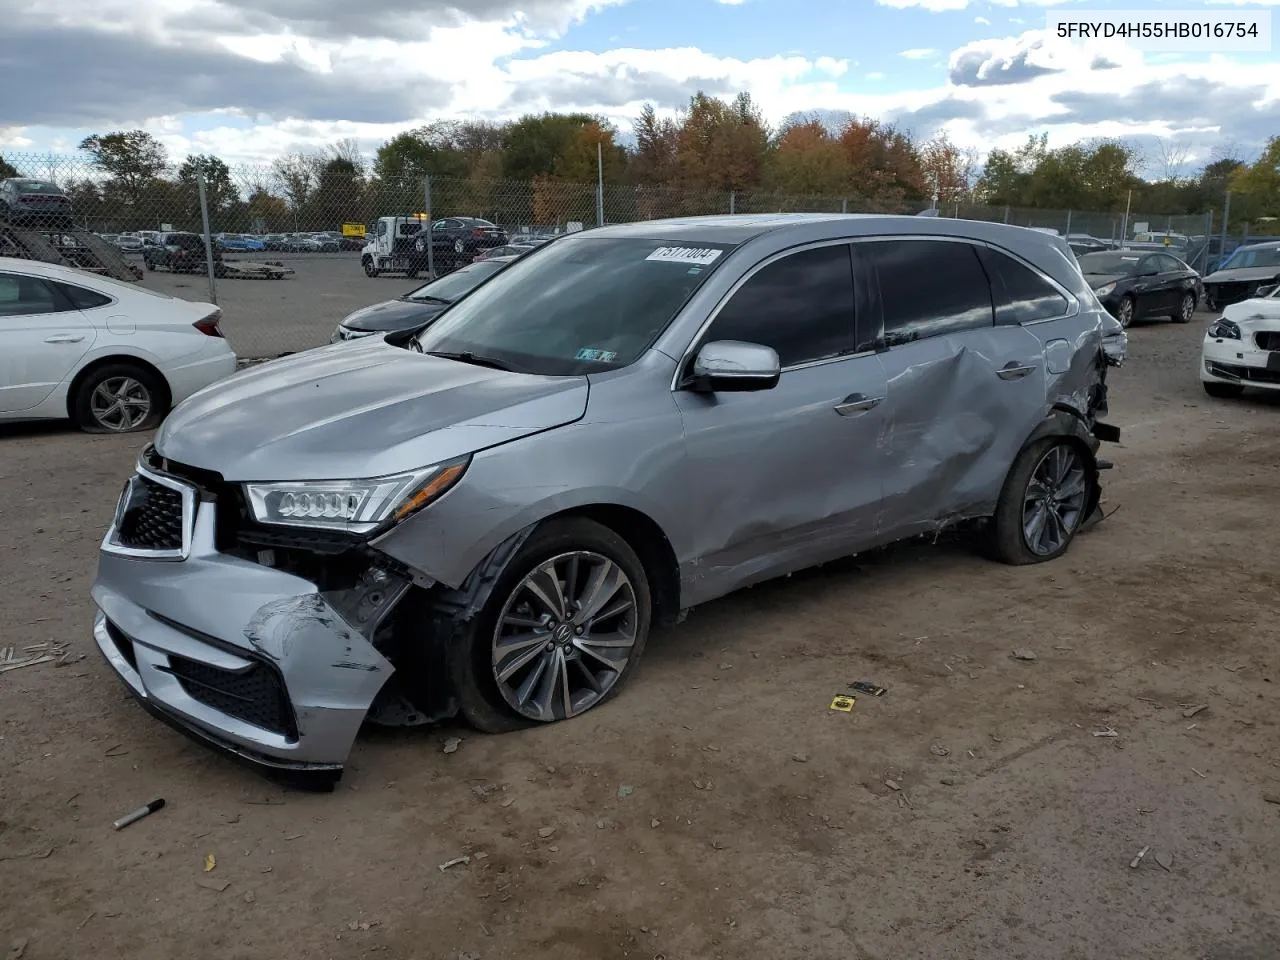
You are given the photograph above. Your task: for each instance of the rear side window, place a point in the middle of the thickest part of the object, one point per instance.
(1021, 295)
(928, 288)
(801, 305)
(81, 298)
(23, 296)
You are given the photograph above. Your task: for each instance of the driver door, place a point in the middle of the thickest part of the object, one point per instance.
(785, 478)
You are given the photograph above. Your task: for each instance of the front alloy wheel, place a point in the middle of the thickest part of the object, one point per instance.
(1125, 311)
(565, 636)
(1054, 500)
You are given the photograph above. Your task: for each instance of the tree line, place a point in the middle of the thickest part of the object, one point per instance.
(542, 168)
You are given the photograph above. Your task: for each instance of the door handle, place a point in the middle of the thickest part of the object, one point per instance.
(63, 338)
(856, 403)
(1013, 370)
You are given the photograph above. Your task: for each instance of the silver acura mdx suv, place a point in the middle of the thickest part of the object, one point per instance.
(623, 424)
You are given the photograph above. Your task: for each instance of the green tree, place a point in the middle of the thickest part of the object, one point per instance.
(414, 154)
(1260, 181)
(134, 159)
(532, 145)
(220, 192)
(655, 158)
(807, 159)
(7, 169)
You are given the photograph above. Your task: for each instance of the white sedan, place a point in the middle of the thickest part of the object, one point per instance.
(1242, 347)
(110, 356)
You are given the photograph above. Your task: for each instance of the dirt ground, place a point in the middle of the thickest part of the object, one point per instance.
(972, 811)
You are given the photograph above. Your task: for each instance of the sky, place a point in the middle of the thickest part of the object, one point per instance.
(250, 80)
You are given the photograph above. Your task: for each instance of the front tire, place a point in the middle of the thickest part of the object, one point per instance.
(1043, 503)
(370, 268)
(1223, 391)
(119, 398)
(1186, 309)
(563, 628)
(1125, 311)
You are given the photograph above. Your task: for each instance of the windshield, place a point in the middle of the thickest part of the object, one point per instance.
(453, 285)
(576, 306)
(1253, 257)
(1103, 264)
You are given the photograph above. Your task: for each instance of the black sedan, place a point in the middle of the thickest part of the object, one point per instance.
(1136, 285)
(416, 308)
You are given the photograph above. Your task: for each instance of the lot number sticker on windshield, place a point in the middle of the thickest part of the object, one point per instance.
(599, 356)
(702, 256)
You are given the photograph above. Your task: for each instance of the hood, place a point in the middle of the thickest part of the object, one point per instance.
(1260, 313)
(362, 409)
(392, 315)
(1242, 274)
(1096, 280)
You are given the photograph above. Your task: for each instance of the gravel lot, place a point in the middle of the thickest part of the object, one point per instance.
(970, 812)
(264, 318)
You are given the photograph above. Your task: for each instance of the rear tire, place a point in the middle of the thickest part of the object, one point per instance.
(1042, 505)
(487, 707)
(119, 398)
(1223, 391)
(1186, 309)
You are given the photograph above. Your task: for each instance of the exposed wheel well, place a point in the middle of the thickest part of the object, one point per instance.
(74, 387)
(650, 544)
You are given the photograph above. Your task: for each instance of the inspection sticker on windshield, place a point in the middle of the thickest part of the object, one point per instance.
(703, 256)
(599, 356)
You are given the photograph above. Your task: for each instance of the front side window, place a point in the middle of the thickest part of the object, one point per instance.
(22, 296)
(801, 305)
(587, 305)
(929, 288)
(1021, 294)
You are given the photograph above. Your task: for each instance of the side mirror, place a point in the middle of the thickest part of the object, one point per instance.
(1266, 291)
(734, 366)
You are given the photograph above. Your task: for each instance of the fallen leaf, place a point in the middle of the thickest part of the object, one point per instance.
(1190, 712)
(1165, 859)
(210, 861)
(892, 785)
(800, 757)
(1023, 653)
(451, 745)
(625, 791)
(210, 883)
(545, 832)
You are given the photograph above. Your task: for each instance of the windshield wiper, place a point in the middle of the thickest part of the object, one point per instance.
(466, 356)
(428, 298)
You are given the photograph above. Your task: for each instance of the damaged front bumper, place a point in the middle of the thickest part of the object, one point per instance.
(250, 659)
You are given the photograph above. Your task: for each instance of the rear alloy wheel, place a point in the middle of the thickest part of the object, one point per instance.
(118, 398)
(1043, 503)
(1223, 391)
(1186, 309)
(1124, 313)
(564, 626)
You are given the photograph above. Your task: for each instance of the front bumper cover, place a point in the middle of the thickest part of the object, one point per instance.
(253, 633)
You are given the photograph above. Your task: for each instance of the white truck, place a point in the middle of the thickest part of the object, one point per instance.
(390, 247)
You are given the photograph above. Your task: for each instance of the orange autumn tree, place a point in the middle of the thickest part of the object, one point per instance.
(884, 167)
(807, 159)
(946, 169)
(722, 146)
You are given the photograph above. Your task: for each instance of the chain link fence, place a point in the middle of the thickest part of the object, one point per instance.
(191, 229)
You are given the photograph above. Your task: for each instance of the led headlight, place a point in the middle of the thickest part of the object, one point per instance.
(1224, 329)
(353, 506)
(1104, 291)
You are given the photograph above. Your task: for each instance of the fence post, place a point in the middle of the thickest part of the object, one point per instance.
(208, 241)
(1208, 230)
(733, 202)
(431, 221)
(599, 186)
(1006, 213)
(844, 204)
(1068, 231)
(1226, 216)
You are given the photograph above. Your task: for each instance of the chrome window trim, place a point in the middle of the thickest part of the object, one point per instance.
(738, 284)
(110, 543)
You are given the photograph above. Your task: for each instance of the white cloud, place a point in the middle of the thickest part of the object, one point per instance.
(875, 75)
(982, 20)
(944, 6)
(919, 53)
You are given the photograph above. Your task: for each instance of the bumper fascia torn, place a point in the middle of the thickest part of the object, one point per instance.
(230, 615)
